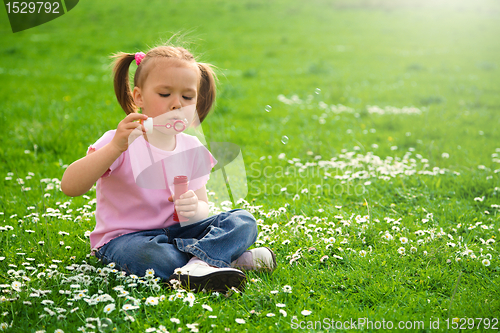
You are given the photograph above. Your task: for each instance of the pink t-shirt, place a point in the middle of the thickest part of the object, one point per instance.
(133, 194)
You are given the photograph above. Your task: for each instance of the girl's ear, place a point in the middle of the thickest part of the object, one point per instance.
(137, 96)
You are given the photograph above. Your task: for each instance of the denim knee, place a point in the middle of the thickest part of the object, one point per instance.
(160, 255)
(247, 222)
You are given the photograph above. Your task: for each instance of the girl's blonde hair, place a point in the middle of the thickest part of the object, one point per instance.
(207, 82)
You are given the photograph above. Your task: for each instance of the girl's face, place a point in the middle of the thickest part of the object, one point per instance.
(169, 86)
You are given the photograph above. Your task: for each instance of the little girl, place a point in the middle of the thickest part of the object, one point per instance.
(135, 226)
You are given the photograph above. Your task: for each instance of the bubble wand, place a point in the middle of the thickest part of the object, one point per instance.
(179, 125)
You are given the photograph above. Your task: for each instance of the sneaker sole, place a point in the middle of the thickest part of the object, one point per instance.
(217, 281)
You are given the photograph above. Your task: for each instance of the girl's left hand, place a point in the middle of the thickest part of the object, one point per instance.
(187, 204)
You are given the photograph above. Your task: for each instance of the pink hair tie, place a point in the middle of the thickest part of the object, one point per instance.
(138, 57)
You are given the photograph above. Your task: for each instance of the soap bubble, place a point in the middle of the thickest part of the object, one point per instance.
(317, 91)
(268, 108)
(284, 139)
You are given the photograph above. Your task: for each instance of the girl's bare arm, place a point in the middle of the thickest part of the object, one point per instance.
(82, 174)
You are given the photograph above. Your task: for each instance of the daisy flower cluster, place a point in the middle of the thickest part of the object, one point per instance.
(350, 166)
(328, 240)
(49, 183)
(310, 103)
(84, 288)
(394, 110)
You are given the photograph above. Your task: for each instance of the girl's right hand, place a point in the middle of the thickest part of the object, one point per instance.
(128, 130)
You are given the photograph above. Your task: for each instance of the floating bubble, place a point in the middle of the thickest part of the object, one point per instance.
(317, 91)
(284, 139)
(268, 108)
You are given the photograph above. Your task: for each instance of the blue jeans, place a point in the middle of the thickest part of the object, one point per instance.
(217, 240)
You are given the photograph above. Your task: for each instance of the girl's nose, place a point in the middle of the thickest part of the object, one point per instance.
(176, 103)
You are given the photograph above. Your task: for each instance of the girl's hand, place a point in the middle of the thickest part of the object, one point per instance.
(187, 204)
(128, 130)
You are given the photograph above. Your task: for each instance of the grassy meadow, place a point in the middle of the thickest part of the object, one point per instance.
(369, 132)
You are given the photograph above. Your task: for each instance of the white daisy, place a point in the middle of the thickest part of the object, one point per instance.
(152, 300)
(16, 285)
(109, 308)
(189, 298)
(150, 273)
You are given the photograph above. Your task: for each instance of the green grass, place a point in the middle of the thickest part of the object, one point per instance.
(439, 57)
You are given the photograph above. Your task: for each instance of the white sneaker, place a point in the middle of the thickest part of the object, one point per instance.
(199, 275)
(261, 259)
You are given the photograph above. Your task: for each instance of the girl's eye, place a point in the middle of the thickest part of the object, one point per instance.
(187, 98)
(164, 95)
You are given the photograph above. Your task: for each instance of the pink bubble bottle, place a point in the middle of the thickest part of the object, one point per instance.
(180, 187)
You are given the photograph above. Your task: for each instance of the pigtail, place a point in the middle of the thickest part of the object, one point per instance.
(206, 91)
(121, 81)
